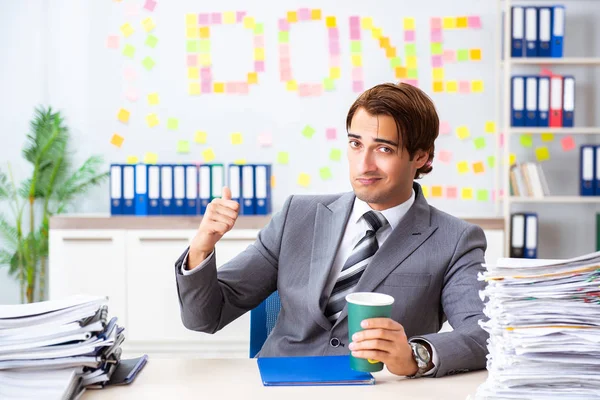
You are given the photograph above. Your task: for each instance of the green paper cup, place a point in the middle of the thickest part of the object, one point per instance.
(363, 305)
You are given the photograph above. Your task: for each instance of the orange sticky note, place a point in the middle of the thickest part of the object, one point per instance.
(436, 191)
(478, 167)
(252, 78)
(438, 86)
(219, 87)
(401, 72)
(204, 32)
(273, 182)
(462, 167)
(475, 54)
(123, 115)
(208, 155)
(116, 140)
(315, 14)
(462, 22)
(304, 179)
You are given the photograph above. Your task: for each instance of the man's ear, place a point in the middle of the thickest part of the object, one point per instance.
(420, 158)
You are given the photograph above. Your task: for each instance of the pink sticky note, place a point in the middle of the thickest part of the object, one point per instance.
(335, 60)
(464, 87)
(501, 140)
(567, 143)
(215, 18)
(259, 41)
(131, 10)
(112, 42)
(445, 156)
(449, 56)
(285, 63)
(230, 87)
(259, 66)
(331, 133)
(304, 90)
(334, 34)
(129, 73)
(412, 82)
(546, 72)
(334, 48)
(354, 22)
(357, 74)
(316, 89)
(205, 73)
(203, 19)
(242, 87)
(451, 192)
(436, 23)
(436, 36)
(285, 75)
(409, 36)
(358, 86)
(149, 5)
(284, 25)
(206, 87)
(192, 60)
(445, 128)
(239, 16)
(474, 22)
(436, 61)
(354, 33)
(304, 14)
(265, 139)
(284, 50)
(131, 94)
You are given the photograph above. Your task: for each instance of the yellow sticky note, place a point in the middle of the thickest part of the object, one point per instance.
(462, 22)
(191, 19)
(236, 138)
(148, 24)
(451, 86)
(150, 158)
(239, 161)
(304, 180)
(477, 86)
(356, 60)
(283, 157)
(366, 23)
(123, 115)
(335, 72)
(194, 88)
(490, 127)
(438, 86)
(478, 167)
(438, 74)
(291, 86)
(252, 78)
(219, 87)
(411, 62)
(191, 33)
(462, 132)
(425, 190)
(449, 22)
(193, 73)
(116, 140)
(132, 160)
(183, 146)
(436, 191)
(152, 120)
(229, 17)
(204, 59)
(200, 137)
(462, 167)
(204, 32)
(475, 54)
(547, 137)
(376, 33)
(512, 159)
(315, 14)
(292, 16)
(208, 155)
(259, 54)
(466, 193)
(249, 22)
(126, 30)
(330, 22)
(542, 153)
(409, 24)
(153, 99)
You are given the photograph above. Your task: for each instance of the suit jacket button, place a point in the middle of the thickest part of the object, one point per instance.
(334, 342)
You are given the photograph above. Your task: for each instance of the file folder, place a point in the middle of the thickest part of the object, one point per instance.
(191, 190)
(518, 28)
(558, 31)
(518, 101)
(128, 190)
(141, 189)
(586, 170)
(217, 180)
(166, 190)
(531, 235)
(597, 172)
(310, 371)
(204, 192)
(545, 31)
(531, 99)
(235, 183)
(568, 101)
(248, 196)
(517, 236)
(262, 189)
(116, 190)
(556, 95)
(153, 190)
(178, 190)
(531, 32)
(543, 100)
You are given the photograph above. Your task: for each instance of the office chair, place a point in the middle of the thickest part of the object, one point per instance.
(262, 321)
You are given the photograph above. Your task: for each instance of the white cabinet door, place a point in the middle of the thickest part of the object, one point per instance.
(89, 262)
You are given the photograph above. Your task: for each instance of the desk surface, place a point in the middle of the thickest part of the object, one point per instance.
(240, 378)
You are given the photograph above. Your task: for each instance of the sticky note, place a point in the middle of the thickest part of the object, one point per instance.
(512, 159)
(490, 127)
(191, 33)
(153, 99)
(330, 22)
(265, 139)
(126, 30)
(463, 132)
(200, 137)
(151, 41)
(435, 23)
(283, 37)
(283, 157)
(479, 143)
(462, 55)
(464, 87)
(148, 24)
(252, 78)
(366, 22)
(194, 89)
(477, 86)
(150, 158)
(474, 21)
(462, 167)
(436, 36)
(491, 161)
(291, 86)
(444, 127)
(152, 120)
(131, 94)
(409, 23)
(335, 155)
(449, 56)
(325, 173)
(451, 86)
(236, 138)
(183, 146)
(356, 60)
(449, 22)
(401, 72)
(112, 42)
(308, 131)
(148, 63)
(132, 160)
(239, 161)
(331, 133)
(292, 16)
(249, 22)
(425, 190)
(129, 51)
(395, 62)
(436, 48)
(150, 5)
(130, 73)
(483, 195)
(328, 84)
(229, 17)
(567, 143)
(526, 140)
(478, 167)
(193, 73)
(259, 54)
(304, 179)
(116, 140)
(451, 192)
(475, 54)
(444, 156)
(547, 137)
(436, 191)
(376, 33)
(219, 87)
(413, 73)
(191, 19)
(438, 87)
(208, 155)
(123, 115)
(390, 52)
(466, 193)
(542, 153)
(315, 14)
(259, 29)
(335, 72)
(462, 22)
(172, 123)
(438, 74)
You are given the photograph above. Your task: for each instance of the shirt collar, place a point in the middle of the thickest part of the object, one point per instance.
(393, 215)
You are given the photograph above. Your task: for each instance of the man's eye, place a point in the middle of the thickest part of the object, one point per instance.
(354, 143)
(386, 149)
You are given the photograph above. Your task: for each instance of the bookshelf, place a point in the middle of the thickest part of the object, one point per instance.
(504, 79)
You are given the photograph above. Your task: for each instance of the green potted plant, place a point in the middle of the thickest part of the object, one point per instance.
(50, 190)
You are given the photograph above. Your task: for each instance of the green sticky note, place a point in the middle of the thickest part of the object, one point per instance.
(395, 62)
(308, 131)
(436, 48)
(183, 146)
(204, 46)
(355, 46)
(526, 140)
(148, 63)
(172, 123)
(325, 173)
(482, 195)
(284, 37)
(192, 46)
(411, 49)
(259, 29)
(462, 55)
(413, 73)
(151, 41)
(479, 143)
(328, 84)
(491, 160)
(283, 157)
(335, 155)
(128, 51)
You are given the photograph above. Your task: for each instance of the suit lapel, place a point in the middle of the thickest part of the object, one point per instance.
(330, 224)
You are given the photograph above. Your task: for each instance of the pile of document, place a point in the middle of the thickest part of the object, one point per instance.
(56, 349)
(544, 326)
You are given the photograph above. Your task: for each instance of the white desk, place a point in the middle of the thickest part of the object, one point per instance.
(240, 378)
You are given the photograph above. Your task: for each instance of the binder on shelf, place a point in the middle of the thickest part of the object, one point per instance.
(543, 100)
(178, 190)
(248, 190)
(128, 189)
(556, 95)
(217, 180)
(558, 31)
(587, 165)
(153, 190)
(116, 189)
(531, 235)
(568, 101)
(545, 31)
(262, 189)
(518, 28)
(141, 189)
(204, 192)
(531, 32)
(531, 100)
(597, 171)
(518, 101)
(166, 190)
(191, 190)
(517, 235)
(234, 180)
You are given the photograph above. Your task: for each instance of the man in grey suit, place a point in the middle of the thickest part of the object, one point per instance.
(382, 237)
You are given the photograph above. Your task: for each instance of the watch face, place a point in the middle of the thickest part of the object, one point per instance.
(423, 353)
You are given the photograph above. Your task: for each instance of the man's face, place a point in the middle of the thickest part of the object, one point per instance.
(381, 172)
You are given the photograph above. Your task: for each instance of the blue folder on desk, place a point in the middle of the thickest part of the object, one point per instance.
(311, 371)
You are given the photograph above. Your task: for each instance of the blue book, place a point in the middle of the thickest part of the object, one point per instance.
(153, 190)
(531, 235)
(128, 189)
(311, 371)
(178, 190)
(234, 181)
(204, 188)
(518, 32)
(191, 190)
(558, 31)
(587, 163)
(568, 114)
(116, 189)
(141, 189)
(262, 189)
(517, 101)
(248, 190)
(531, 32)
(217, 180)
(166, 190)
(531, 101)
(543, 100)
(544, 31)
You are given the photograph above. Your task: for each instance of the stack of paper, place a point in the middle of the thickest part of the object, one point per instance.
(57, 347)
(544, 325)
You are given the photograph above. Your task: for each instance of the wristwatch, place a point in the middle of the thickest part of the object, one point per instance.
(422, 357)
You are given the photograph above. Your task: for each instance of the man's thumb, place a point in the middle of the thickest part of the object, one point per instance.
(226, 193)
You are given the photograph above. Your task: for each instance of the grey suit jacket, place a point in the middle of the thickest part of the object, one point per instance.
(429, 264)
